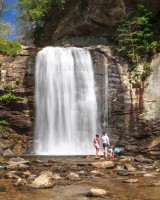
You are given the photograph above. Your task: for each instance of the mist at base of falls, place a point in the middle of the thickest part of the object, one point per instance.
(66, 106)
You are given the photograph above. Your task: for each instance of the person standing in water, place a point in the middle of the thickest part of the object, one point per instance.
(96, 143)
(105, 143)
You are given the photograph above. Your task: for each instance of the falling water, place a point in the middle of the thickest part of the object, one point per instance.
(66, 107)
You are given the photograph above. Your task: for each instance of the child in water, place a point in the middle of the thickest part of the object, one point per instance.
(115, 151)
(111, 151)
(96, 143)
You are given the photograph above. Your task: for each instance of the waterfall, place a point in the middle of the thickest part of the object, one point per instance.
(66, 106)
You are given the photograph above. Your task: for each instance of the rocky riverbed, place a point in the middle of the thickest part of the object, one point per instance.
(79, 178)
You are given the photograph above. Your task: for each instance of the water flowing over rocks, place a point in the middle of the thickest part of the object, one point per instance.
(79, 177)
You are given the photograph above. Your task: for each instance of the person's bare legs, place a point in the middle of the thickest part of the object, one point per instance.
(97, 151)
(104, 151)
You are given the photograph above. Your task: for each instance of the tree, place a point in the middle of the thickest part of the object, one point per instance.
(135, 35)
(34, 15)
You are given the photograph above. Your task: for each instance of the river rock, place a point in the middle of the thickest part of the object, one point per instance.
(119, 168)
(129, 167)
(97, 193)
(12, 175)
(134, 180)
(22, 167)
(27, 174)
(103, 164)
(31, 177)
(96, 172)
(43, 181)
(152, 175)
(141, 159)
(18, 149)
(56, 177)
(126, 159)
(73, 176)
(156, 184)
(2, 167)
(8, 152)
(11, 167)
(17, 161)
(20, 182)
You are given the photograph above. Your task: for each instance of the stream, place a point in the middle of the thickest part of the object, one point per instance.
(111, 178)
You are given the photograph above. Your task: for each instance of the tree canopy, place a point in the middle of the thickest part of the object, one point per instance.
(34, 14)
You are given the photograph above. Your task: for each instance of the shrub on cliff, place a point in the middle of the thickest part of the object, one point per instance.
(9, 97)
(8, 47)
(137, 41)
(136, 36)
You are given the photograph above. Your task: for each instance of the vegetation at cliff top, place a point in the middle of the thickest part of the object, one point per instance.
(35, 14)
(137, 40)
(8, 47)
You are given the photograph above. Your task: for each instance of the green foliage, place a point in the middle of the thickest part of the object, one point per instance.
(135, 35)
(3, 122)
(17, 81)
(141, 75)
(136, 39)
(4, 28)
(147, 71)
(36, 13)
(9, 47)
(9, 97)
(7, 86)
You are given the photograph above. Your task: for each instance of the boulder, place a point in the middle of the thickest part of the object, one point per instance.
(134, 180)
(43, 181)
(73, 176)
(18, 149)
(22, 167)
(20, 182)
(17, 161)
(141, 159)
(130, 168)
(126, 158)
(56, 177)
(103, 164)
(27, 174)
(12, 175)
(8, 152)
(97, 193)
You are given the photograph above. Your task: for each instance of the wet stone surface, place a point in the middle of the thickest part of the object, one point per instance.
(79, 178)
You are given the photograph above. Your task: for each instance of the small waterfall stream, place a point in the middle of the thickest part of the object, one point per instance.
(66, 106)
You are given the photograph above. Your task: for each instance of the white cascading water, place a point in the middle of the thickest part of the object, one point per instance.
(66, 107)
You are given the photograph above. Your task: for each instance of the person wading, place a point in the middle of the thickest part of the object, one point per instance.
(105, 143)
(96, 143)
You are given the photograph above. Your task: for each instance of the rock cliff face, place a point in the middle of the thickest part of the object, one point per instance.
(133, 111)
(90, 22)
(16, 119)
(118, 100)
